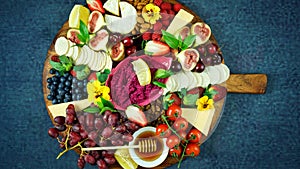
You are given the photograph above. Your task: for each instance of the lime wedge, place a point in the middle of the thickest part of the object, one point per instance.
(78, 13)
(112, 6)
(124, 159)
(142, 71)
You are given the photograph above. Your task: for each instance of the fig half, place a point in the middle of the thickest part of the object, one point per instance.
(117, 52)
(188, 59)
(99, 42)
(96, 21)
(202, 32)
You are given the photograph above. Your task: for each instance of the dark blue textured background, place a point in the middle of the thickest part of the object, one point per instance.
(256, 131)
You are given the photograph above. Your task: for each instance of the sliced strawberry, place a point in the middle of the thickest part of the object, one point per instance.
(156, 48)
(95, 5)
(92, 76)
(136, 115)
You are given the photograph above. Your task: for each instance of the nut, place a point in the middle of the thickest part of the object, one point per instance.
(145, 26)
(143, 30)
(140, 20)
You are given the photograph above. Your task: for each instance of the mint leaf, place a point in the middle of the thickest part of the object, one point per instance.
(189, 40)
(162, 73)
(106, 71)
(159, 84)
(78, 67)
(57, 66)
(183, 91)
(81, 38)
(84, 31)
(107, 103)
(92, 110)
(64, 59)
(170, 39)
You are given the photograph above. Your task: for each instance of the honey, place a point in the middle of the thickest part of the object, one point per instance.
(149, 156)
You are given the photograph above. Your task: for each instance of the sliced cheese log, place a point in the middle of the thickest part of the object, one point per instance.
(93, 59)
(60, 109)
(205, 80)
(81, 58)
(199, 119)
(214, 74)
(71, 49)
(108, 64)
(61, 46)
(76, 53)
(226, 70)
(181, 19)
(192, 80)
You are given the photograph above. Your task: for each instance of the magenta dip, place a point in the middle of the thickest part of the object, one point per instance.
(124, 85)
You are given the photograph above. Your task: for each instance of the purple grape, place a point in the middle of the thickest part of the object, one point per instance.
(121, 128)
(60, 128)
(59, 120)
(53, 132)
(93, 135)
(127, 137)
(113, 119)
(70, 119)
(89, 143)
(106, 153)
(83, 134)
(81, 119)
(98, 123)
(117, 142)
(107, 113)
(102, 143)
(107, 131)
(80, 163)
(89, 121)
(95, 154)
(76, 128)
(89, 159)
(130, 126)
(109, 160)
(101, 164)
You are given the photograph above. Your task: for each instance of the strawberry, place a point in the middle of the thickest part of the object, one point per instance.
(136, 115)
(157, 2)
(55, 58)
(177, 7)
(73, 73)
(157, 48)
(166, 6)
(92, 76)
(147, 36)
(220, 92)
(156, 36)
(171, 12)
(157, 26)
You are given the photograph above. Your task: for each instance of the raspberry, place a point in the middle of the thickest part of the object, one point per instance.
(157, 26)
(166, 22)
(158, 2)
(166, 6)
(55, 58)
(156, 36)
(177, 7)
(164, 15)
(147, 36)
(171, 12)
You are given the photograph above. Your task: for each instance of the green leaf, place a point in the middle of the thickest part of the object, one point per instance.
(79, 45)
(159, 84)
(170, 39)
(84, 31)
(162, 73)
(107, 108)
(102, 77)
(92, 110)
(79, 68)
(64, 59)
(57, 66)
(81, 38)
(183, 91)
(106, 71)
(107, 103)
(189, 40)
(190, 99)
(100, 105)
(144, 42)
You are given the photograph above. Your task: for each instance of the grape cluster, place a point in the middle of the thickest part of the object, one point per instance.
(60, 87)
(83, 130)
(65, 88)
(209, 54)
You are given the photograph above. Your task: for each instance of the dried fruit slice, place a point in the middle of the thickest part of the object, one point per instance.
(124, 159)
(142, 71)
(79, 12)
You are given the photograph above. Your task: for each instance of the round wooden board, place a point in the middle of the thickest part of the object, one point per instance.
(63, 31)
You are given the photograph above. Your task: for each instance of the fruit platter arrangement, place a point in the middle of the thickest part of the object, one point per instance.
(131, 84)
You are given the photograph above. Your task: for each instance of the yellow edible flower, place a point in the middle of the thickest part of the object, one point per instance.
(151, 13)
(96, 91)
(204, 103)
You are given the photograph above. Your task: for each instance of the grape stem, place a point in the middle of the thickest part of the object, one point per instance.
(75, 146)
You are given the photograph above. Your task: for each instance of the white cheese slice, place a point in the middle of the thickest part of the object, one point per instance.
(61, 46)
(60, 109)
(181, 19)
(199, 119)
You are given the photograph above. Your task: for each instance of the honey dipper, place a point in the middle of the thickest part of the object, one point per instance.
(144, 146)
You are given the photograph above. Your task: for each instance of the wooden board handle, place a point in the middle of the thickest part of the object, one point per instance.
(247, 83)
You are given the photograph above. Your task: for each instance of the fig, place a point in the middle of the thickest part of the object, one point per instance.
(183, 32)
(100, 40)
(188, 59)
(95, 22)
(117, 52)
(72, 35)
(202, 31)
